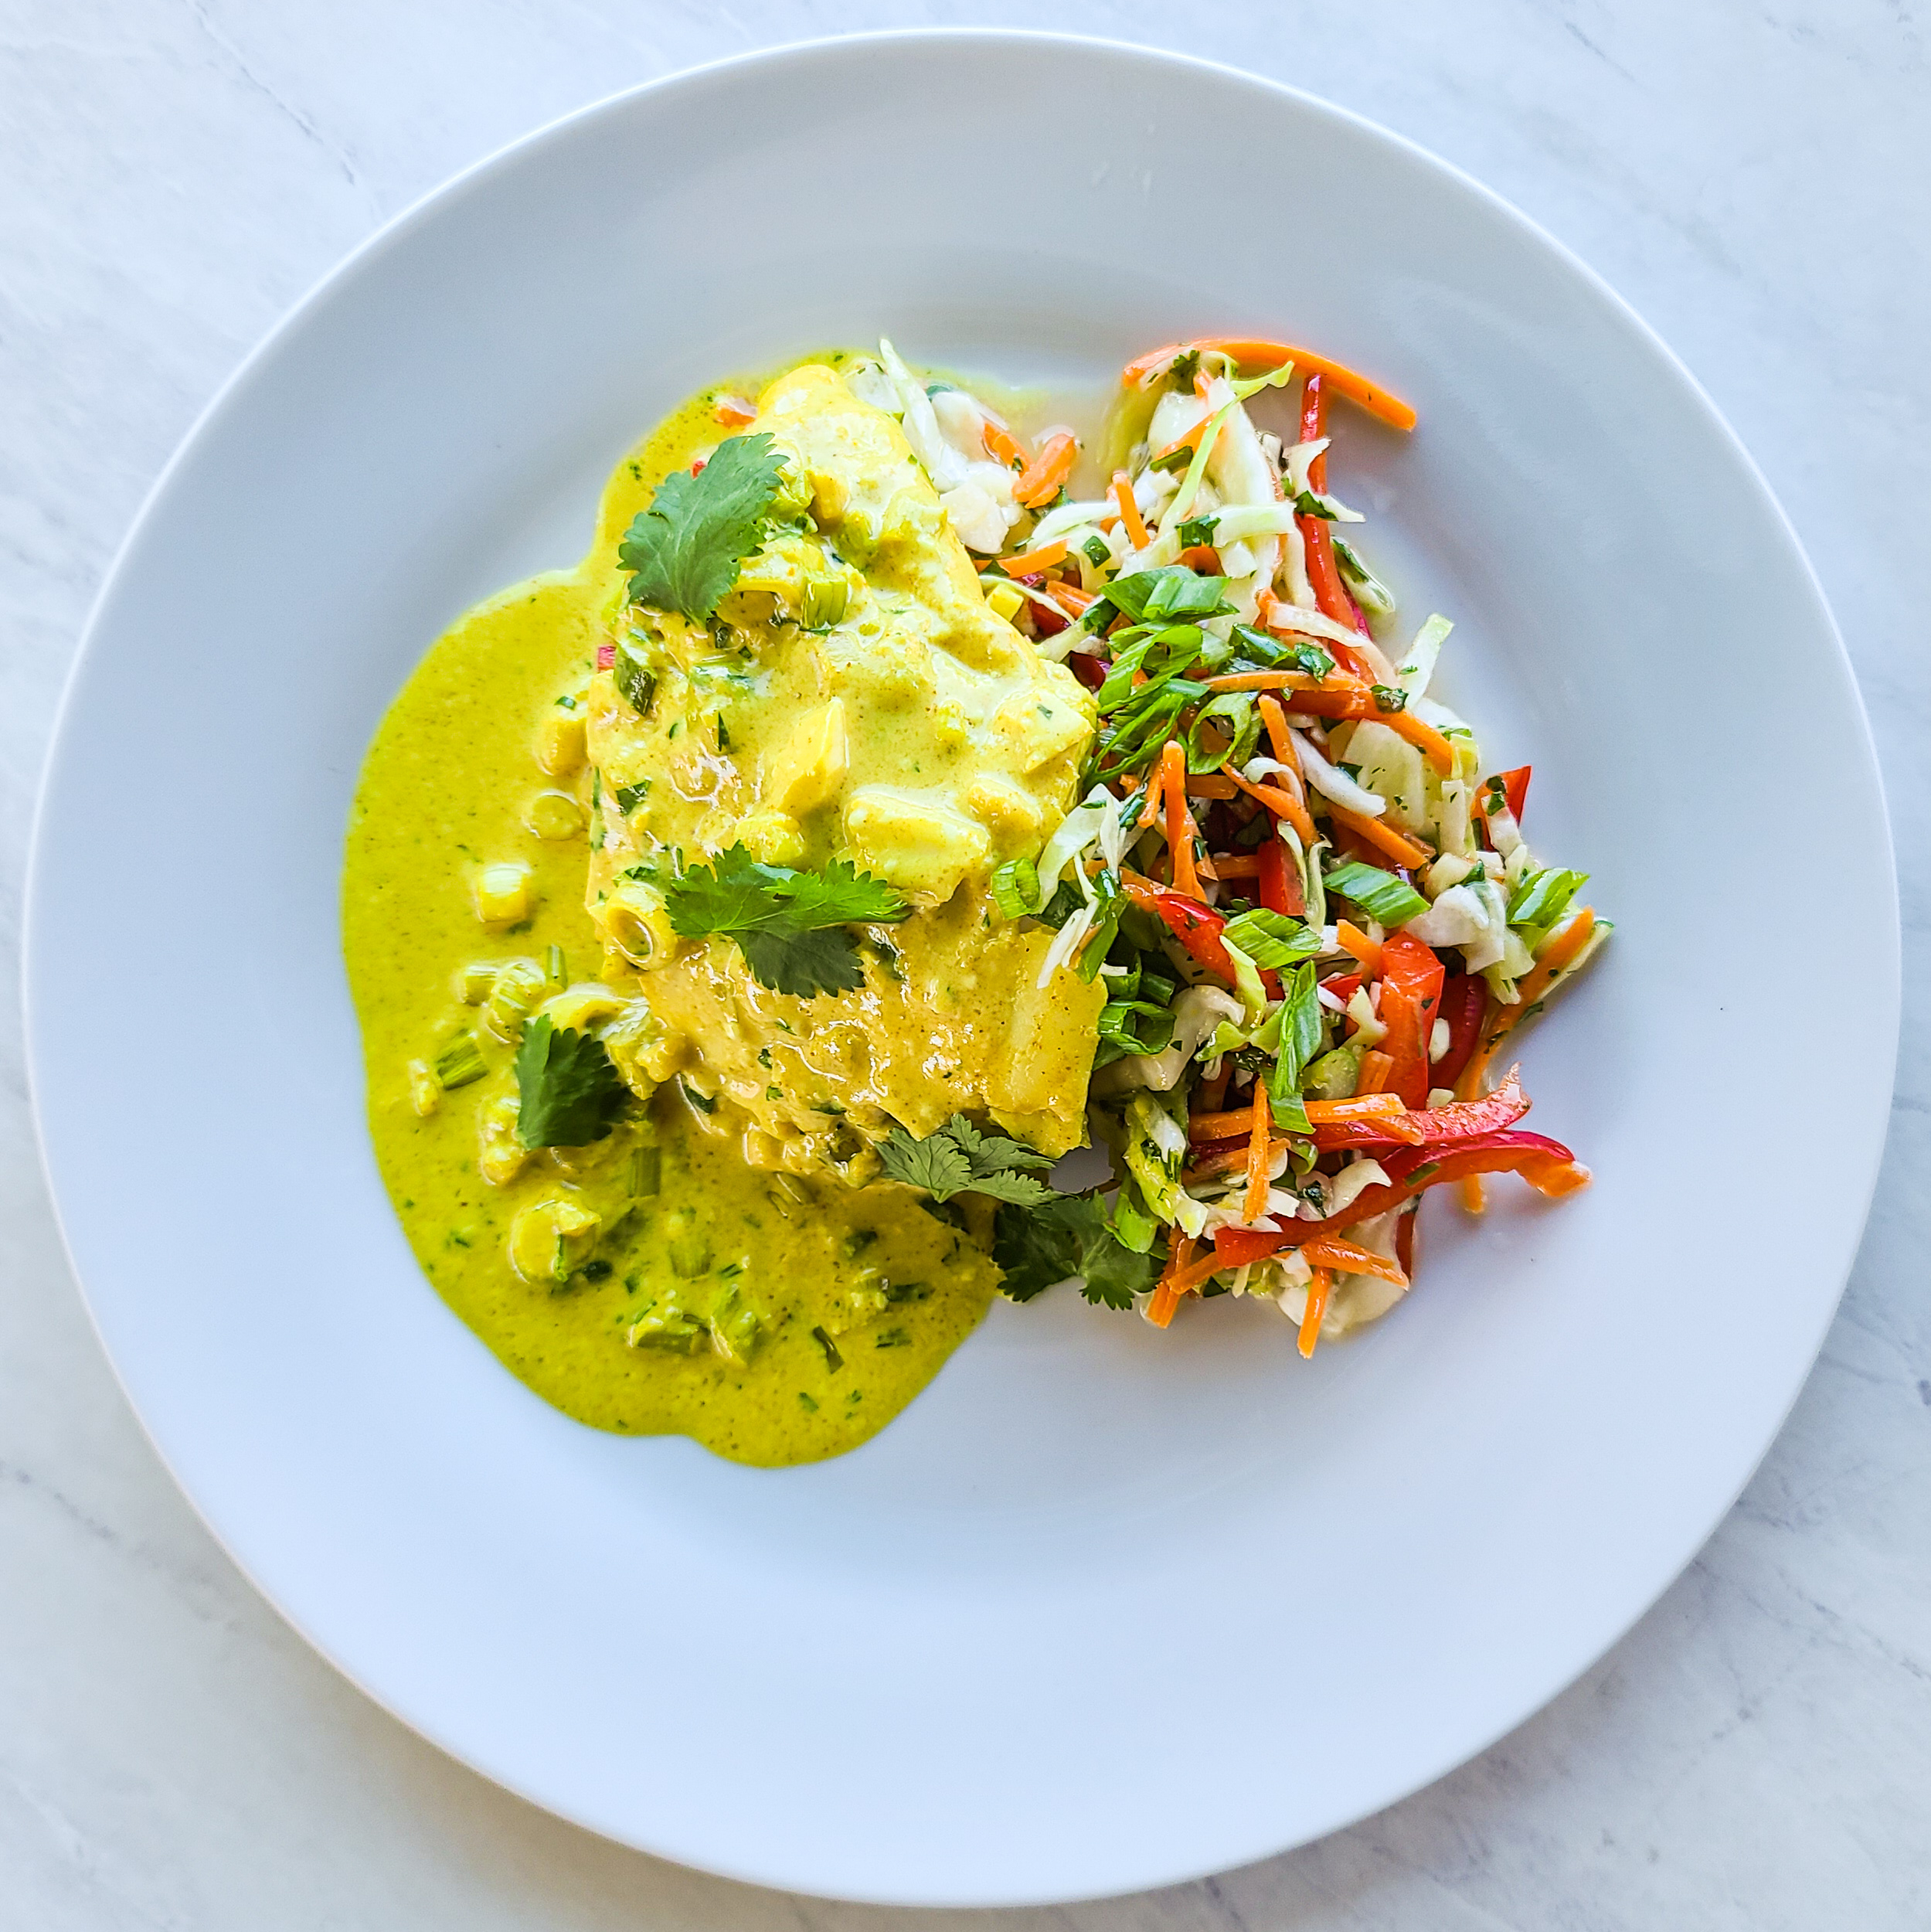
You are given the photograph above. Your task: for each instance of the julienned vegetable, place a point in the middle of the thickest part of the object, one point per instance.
(1316, 919)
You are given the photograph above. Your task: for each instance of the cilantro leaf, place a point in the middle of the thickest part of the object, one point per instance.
(686, 550)
(802, 962)
(994, 1153)
(569, 1092)
(961, 1158)
(788, 925)
(1068, 1237)
(841, 895)
(937, 1163)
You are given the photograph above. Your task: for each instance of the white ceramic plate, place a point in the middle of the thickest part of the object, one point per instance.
(1106, 1608)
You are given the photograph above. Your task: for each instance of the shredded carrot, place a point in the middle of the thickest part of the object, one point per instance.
(1213, 1091)
(734, 409)
(1297, 681)
(1241, 865)
(1376, 1068)
(1191, 440)
(1075, 599)
(1370, 1104)
(1166, 1295)
(1383, 838)
(1474, 1199)
(1556, 1181)
(1003, 445)
(1039, 481)
(1281, 804)
(1156, 795)
(1202, 557)
(1331, 1251)
(1221, 1126)
(1397, 1122)
(1285, 752)
(1353, 941)
(1180, 821)
(1134, 523)
(1197, 1273)
(1245, 352)
(1029, 562)
(1422, 735)
(1258, 1150)
(1319, 1287)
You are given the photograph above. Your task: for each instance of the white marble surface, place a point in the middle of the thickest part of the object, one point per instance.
(1754, 175)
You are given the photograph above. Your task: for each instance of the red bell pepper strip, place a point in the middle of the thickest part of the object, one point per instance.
(1411, 994)
(1198, 927)
(1404, 1240)
(1547, 1165)
(1342, 986)
(1464, 1003)
(1279, 883)
(1331, 594)
(1460, 1121)
(1515, 786)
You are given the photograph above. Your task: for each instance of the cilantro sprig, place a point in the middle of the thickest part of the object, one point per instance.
(568, 1091)
(790, 926)
(961, 1158)
(1037, 1248)
(684, 552)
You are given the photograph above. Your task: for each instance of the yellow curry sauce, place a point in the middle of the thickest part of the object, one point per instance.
(662, 1282)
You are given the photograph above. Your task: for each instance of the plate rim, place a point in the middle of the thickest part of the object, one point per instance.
(395, 233)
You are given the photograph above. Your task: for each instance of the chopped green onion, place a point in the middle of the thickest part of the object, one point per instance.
(556, 968)
(636, 681)
(1272, 940)
(460, 1063)
(1198, 530)
(826, 601)
(1379, 894)
(1370, 594)
(1015, 888)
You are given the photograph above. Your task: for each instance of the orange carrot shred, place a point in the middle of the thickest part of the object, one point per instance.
(1331, 1251)
(1353, 941)
(1040, 480)
(1383, 838)
(1258, 1151)
(1180, 822)
(1166, 1292)
(1253, 354)
(1319, 1287)
(1135, 524)
(1029, 562)
(1376, 1067)
(1003, 445)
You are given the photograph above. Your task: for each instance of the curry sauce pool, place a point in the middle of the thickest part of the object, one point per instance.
(777, 1318)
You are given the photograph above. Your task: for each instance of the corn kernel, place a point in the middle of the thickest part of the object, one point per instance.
(555, 814)
(503, 894)
(559, 742)
(425, 1090)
